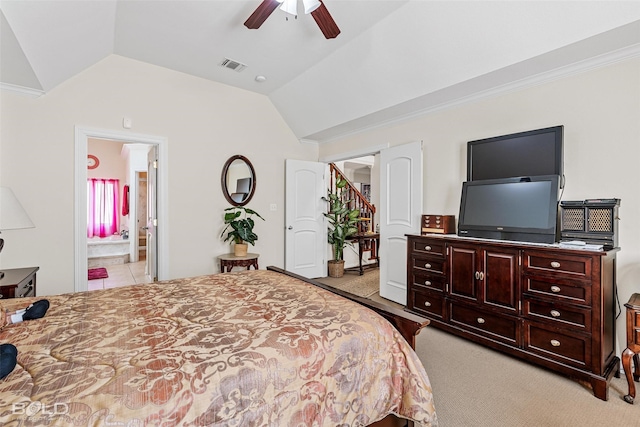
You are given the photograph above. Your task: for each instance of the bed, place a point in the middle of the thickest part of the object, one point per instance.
(251, 348)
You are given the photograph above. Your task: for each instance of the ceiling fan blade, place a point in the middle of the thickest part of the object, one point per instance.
(261, 14)
(326, 23)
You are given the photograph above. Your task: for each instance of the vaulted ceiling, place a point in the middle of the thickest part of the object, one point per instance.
(392, 60)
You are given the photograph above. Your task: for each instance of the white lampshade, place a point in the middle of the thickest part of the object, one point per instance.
(12, 214)
(310, 5)
(290, 6)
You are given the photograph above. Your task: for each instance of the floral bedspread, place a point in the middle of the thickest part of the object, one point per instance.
(253, 348)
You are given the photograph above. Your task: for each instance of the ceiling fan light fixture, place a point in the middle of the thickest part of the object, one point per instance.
(290, 7)
(310, 5)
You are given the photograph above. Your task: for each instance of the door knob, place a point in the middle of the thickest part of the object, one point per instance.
(290, 227)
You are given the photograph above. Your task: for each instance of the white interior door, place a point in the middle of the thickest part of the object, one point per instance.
(401, 207)
(305, 224)
(152, 219)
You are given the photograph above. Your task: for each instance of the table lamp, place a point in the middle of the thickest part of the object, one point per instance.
(12, 215)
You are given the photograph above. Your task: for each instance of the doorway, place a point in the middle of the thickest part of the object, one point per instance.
(399, 206)
(82, 136)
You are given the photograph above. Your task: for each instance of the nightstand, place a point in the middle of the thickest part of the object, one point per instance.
(633, 345)
(18, 283)
(228, 261)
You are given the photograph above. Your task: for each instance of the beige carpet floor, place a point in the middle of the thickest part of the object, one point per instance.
(364, 286)
(474, 386)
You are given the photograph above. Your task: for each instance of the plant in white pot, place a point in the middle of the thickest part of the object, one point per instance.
(239, 225)
(342, 225)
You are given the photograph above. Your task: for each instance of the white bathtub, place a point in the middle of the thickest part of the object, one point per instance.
(108, 250)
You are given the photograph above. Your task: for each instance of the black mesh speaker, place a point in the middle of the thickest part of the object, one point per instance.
(591, 221)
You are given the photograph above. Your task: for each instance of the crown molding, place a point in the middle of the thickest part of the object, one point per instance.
(33, 93)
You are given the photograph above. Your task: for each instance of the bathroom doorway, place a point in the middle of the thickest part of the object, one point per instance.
(84, 161)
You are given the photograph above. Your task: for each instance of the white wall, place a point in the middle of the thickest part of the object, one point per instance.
(600, 111)
(204, 122)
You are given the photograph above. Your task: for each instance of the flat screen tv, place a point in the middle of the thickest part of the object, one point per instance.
(243, 185)
(531, 153)
(519, 209)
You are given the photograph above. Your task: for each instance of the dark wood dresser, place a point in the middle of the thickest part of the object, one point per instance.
(633, 346)
(18, 282)
(547, 305)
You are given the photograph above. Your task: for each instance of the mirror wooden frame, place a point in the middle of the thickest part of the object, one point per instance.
(225, 172)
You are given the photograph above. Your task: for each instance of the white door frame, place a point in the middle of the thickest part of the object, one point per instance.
(82, 135)
(368, 151)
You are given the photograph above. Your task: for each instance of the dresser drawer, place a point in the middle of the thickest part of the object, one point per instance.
(426, 302)
(430, 264)
(558, 314)
(573, 349)
(26, 288)
(571, 291)
(504, 328)
(558, 265)
(427, 280)
(429, 246)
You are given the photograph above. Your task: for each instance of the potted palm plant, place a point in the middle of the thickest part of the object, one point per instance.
(342, 224)
(239, 228)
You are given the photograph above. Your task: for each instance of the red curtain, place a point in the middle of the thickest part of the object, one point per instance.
(102, 207)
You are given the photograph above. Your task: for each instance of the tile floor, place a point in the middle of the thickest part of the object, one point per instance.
(121, 275)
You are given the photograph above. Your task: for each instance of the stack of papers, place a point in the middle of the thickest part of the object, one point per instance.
(579, 244)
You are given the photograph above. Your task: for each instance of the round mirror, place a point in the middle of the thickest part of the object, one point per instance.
(238, 180)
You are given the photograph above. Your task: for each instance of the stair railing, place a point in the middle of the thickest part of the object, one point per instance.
(358, 201)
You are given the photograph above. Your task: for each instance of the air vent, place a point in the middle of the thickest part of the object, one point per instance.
(233, 65)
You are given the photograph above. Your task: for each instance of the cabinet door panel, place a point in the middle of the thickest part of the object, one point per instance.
(463, 269)
(501, 278)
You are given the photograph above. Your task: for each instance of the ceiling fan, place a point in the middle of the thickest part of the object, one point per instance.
(316, 8)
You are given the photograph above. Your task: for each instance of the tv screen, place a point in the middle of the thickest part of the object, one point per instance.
(243, 185)
(521, 209)
(531, 153)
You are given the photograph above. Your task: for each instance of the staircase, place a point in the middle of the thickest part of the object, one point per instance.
(358, 201)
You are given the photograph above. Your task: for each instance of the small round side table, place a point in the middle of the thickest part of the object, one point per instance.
(229, 261)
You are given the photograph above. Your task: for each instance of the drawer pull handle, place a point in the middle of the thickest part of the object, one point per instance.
(555, 313)
(555, 264)
(427, 304)
(555, 343)
(480, 320)
(427, 265)
(427, 248)
(477, 275)
(555, 289)
(427, 282)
